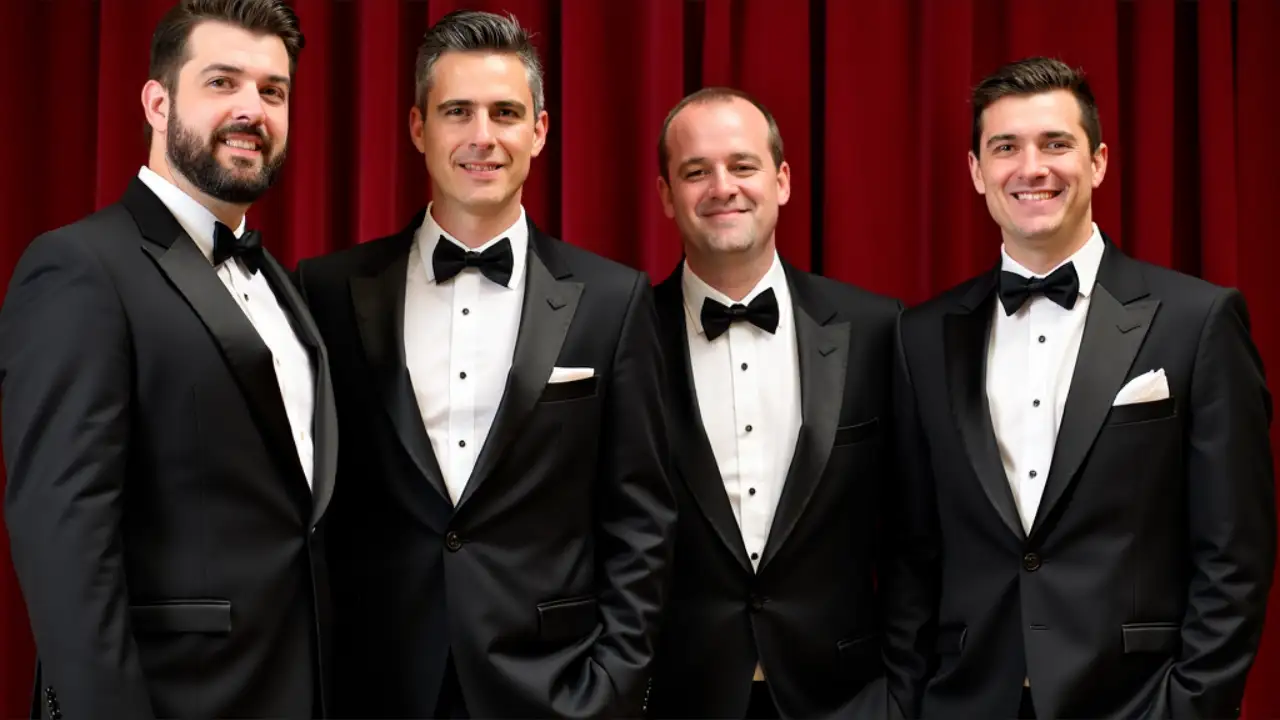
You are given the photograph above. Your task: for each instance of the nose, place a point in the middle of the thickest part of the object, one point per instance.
(722, 186)
(248, 105)
(481, 131)
(1033, 164)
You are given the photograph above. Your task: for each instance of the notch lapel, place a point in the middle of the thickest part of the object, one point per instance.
(379, 307)
(550, 303)
(694, 456)
(823, 350)
(968, 330)
(324, 423)
(1113, 332)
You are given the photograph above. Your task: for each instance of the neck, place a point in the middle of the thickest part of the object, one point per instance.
(472, 228)
(1040, 255)
(732, 274)
(229, 214)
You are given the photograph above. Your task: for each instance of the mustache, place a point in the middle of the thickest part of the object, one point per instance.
(242, 129)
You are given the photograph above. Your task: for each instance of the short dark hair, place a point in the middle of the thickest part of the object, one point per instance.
(169, 41)
(1033, 76)
(475, 31)
(718, 94)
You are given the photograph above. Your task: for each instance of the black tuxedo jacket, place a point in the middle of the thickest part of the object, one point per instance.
(1141, 588)
(545, 581)
(162, 529)
(811, 615)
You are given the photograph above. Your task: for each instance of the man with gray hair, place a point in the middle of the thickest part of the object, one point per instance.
(502, 546)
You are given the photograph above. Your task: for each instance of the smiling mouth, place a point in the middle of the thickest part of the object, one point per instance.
(1037, 196)
(481, 167)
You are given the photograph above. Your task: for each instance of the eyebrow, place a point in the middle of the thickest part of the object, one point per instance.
(471, 104)
(1050, 135)
(236, 70)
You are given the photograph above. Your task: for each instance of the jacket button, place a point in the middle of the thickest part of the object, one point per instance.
(757, 603)
(1031, 562)
(452, 541)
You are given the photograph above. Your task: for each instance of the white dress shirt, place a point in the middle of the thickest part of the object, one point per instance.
(459, 341)
(748, 388)
(1031, 358)
(252, 292)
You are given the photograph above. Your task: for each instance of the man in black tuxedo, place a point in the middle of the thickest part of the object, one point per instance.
(779, 405)
(1086, 443)
(502, 545)
(169, 427)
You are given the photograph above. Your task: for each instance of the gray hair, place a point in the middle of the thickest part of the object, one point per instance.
(473, 31)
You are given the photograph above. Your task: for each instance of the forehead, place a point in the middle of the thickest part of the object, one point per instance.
(214, 42)
(1056, 111)
(718, 128)
(479, 77)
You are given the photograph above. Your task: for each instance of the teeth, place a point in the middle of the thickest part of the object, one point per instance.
(241, 144)
(480, 168)
(1034, 196)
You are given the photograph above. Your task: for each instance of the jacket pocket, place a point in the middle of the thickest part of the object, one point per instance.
(572, 390)
(568, 619)
(1142, 412)
(857, 433)
(211, 617)
(1153, 637)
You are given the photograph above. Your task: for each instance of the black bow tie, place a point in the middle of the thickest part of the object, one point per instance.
(247, 247)
(1061, 286)
(762, 312)
(495, 263)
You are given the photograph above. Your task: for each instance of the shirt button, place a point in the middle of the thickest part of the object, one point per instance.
(751, 491)
(462, 443)
(755, 556)
(466, 311)
(748, 428)
(246, 297)
(1032, 473)
(1042, 338)
(1035, 403)
(462, 375)
(744, 366)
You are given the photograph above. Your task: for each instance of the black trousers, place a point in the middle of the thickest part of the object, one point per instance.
(450, 703)
(1025, 708)
(761, 706)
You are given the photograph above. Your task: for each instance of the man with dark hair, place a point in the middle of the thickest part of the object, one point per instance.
(169, 427)
(1084, 437)
(779, 396)
(501, 545)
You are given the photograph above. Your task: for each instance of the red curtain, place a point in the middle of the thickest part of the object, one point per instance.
(870, 96)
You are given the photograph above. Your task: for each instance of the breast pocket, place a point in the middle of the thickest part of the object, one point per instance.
(566, 391)
(1142, 412)
(853, 434)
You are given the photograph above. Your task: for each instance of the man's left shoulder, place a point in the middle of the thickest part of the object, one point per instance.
(597, 273)
(1180, 291)
(848, 300)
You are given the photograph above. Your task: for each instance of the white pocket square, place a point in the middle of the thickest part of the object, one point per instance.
(564, 375)
(1147, 387)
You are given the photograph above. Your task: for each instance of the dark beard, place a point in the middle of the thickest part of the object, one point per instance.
(194, 160)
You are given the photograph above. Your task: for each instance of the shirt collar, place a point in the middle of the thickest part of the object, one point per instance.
(195, 219)
(1087, 260)
(430, 233)
(696, 291)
